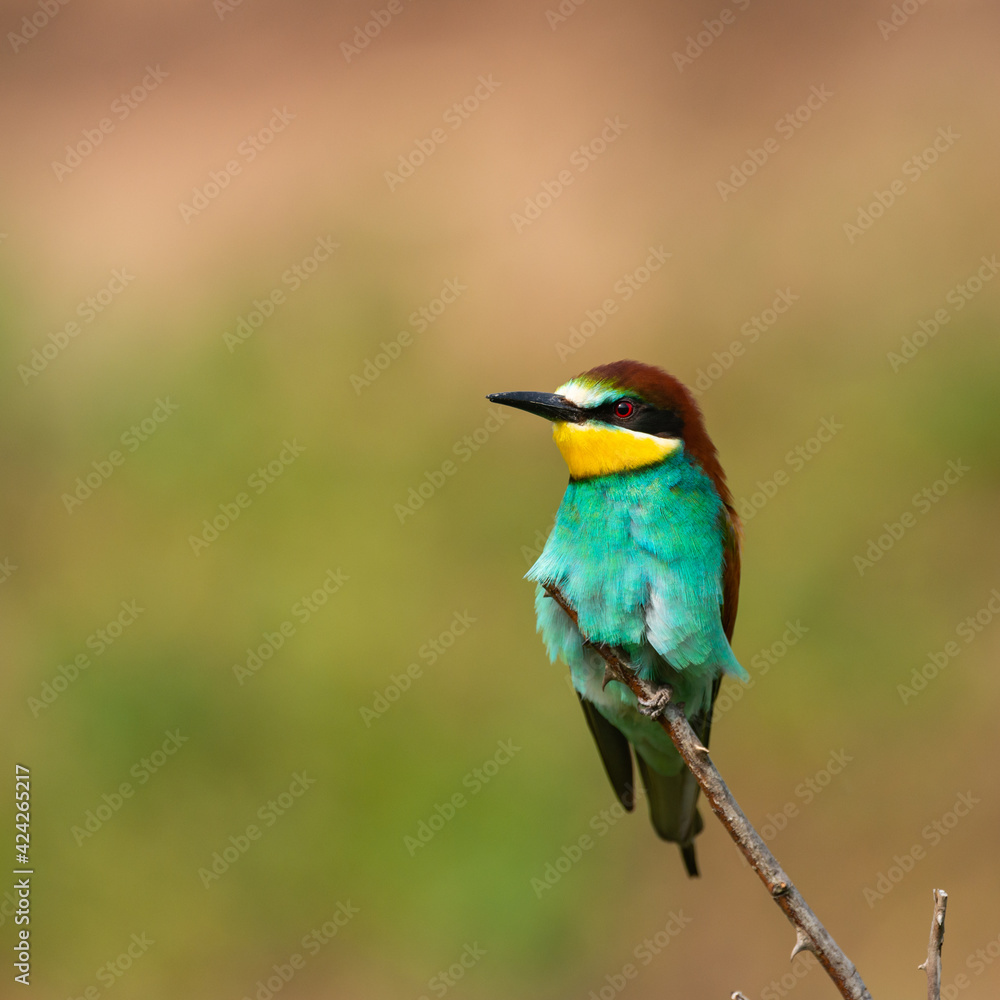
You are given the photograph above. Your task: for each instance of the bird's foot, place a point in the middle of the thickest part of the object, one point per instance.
(654, 705)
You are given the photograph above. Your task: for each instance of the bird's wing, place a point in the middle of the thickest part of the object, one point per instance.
(615, 753)
(732, 540)
(692, 576)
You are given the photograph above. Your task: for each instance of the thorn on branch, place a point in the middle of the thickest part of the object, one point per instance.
(802, 943)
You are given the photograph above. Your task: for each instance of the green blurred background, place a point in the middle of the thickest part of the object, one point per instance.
(214, 77)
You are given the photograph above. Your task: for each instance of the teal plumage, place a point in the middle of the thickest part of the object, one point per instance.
(639, 557)
(647, 553)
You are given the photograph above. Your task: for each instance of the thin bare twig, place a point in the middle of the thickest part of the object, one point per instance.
(932, 964)
(810, 934)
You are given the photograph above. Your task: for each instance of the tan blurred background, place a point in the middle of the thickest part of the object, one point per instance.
(833, 736)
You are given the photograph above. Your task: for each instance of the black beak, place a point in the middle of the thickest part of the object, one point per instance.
(544, 404)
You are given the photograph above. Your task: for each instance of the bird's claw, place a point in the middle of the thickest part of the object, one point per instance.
(654, 705)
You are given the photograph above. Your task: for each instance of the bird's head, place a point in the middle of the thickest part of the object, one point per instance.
(621, 416)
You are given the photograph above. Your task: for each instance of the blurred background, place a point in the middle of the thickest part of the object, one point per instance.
(268, 653)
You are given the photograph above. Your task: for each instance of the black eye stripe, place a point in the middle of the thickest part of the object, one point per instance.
(644, 418)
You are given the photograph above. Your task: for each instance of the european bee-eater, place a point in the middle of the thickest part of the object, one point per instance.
(646, 549)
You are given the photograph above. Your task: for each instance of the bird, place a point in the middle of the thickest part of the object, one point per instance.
(645, 547)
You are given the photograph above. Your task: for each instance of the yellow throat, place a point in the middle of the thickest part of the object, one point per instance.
(597, 449)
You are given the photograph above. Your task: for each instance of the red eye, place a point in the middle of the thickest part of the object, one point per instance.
(624, 408)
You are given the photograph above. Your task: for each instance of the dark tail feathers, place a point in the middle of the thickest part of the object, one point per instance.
(672, 809)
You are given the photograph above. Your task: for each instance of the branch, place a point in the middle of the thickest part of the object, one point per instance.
(932, 964)
(810, 934)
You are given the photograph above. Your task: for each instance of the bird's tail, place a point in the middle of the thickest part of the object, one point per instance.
(673, 798)
(672, 809)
